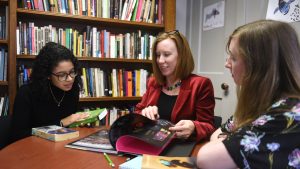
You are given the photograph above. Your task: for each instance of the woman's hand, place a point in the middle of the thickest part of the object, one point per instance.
(74, 117)
(183, 129)
(151, 112)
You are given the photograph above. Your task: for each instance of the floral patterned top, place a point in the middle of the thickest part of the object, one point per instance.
(272, 141)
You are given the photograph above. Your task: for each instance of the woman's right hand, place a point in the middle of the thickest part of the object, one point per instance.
(75, 117)
(151, 112)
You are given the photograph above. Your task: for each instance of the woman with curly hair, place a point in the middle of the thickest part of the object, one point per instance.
(52, 96)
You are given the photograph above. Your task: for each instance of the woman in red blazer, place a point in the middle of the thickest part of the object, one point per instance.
(174, 93)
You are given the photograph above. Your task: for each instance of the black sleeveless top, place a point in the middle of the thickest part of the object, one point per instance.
(165, 105)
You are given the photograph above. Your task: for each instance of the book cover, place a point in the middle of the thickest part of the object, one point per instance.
(97, 142)
(136, 134)
(162, 162)
(135, 163)
(55, 133)
(95, 115)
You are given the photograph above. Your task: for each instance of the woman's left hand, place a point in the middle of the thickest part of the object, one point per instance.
(183, 129)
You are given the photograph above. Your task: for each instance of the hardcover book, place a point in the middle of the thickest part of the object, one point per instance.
(136, 134)
(97, 142)
(95, 115)
(55, 133)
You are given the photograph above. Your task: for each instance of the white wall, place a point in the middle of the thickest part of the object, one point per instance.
(208, 45)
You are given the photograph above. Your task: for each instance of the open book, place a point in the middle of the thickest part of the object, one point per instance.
(136, 134)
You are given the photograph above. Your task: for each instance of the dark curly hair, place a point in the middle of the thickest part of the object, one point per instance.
(47, 59)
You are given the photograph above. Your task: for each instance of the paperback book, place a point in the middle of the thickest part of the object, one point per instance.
(55, 133)
(136, 134)
(163, 162)
(97, 142)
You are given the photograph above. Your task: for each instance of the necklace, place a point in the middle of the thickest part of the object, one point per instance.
(170, 88)
(54, 98)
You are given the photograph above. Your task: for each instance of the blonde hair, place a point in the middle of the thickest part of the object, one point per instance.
(185, 63)
(271, 53)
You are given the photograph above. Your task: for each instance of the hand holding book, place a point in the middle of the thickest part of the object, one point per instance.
(183, 129)
(74, 118)
(89, 117)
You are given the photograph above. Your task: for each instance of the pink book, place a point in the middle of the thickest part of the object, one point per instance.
(159, 12)
(139, 10)
(136, 134)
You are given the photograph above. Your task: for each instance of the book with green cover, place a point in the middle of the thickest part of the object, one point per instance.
(95, 115)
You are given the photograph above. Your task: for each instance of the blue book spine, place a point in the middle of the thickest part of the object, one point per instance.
(2, 64)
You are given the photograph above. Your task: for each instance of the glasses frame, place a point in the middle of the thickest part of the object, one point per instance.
(66, 75)
(173, 32)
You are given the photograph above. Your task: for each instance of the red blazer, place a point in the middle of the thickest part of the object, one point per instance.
(195, 102)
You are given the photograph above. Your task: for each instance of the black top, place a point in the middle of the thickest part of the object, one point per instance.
(270, 141)
(165, 105)
(31, 109)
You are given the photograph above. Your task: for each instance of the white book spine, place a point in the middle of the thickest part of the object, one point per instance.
(18, 40)
(94, 42)
(112, 46)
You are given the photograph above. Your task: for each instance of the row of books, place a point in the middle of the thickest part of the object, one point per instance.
(3, 63)
(4, 104)
(93, 42)
(23, 75)
(98, 82)
(117, 83)
(4, 22)
(131, 10)
(112, 114)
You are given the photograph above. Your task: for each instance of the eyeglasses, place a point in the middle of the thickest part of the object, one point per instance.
(173, 32)
(64, 76)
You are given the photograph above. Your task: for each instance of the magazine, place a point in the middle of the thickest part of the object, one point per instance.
(137, 134)
(55, 133)
(97, 142)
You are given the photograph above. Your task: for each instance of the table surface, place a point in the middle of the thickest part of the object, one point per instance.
(35, 153)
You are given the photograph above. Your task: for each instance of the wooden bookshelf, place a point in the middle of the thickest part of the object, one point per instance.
(3, 41)
(94, 99)
(41, 18)
(31, 57)
(3, 83)
(88, 19)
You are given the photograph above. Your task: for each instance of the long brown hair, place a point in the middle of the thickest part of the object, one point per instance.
(185, 63)
(271, 52)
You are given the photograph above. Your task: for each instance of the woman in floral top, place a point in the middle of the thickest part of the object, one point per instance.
(264, 132)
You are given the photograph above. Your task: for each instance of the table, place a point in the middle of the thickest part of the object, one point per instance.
(36, 153)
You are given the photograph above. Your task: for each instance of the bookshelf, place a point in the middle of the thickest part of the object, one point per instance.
(4, 57)
(79, 22)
